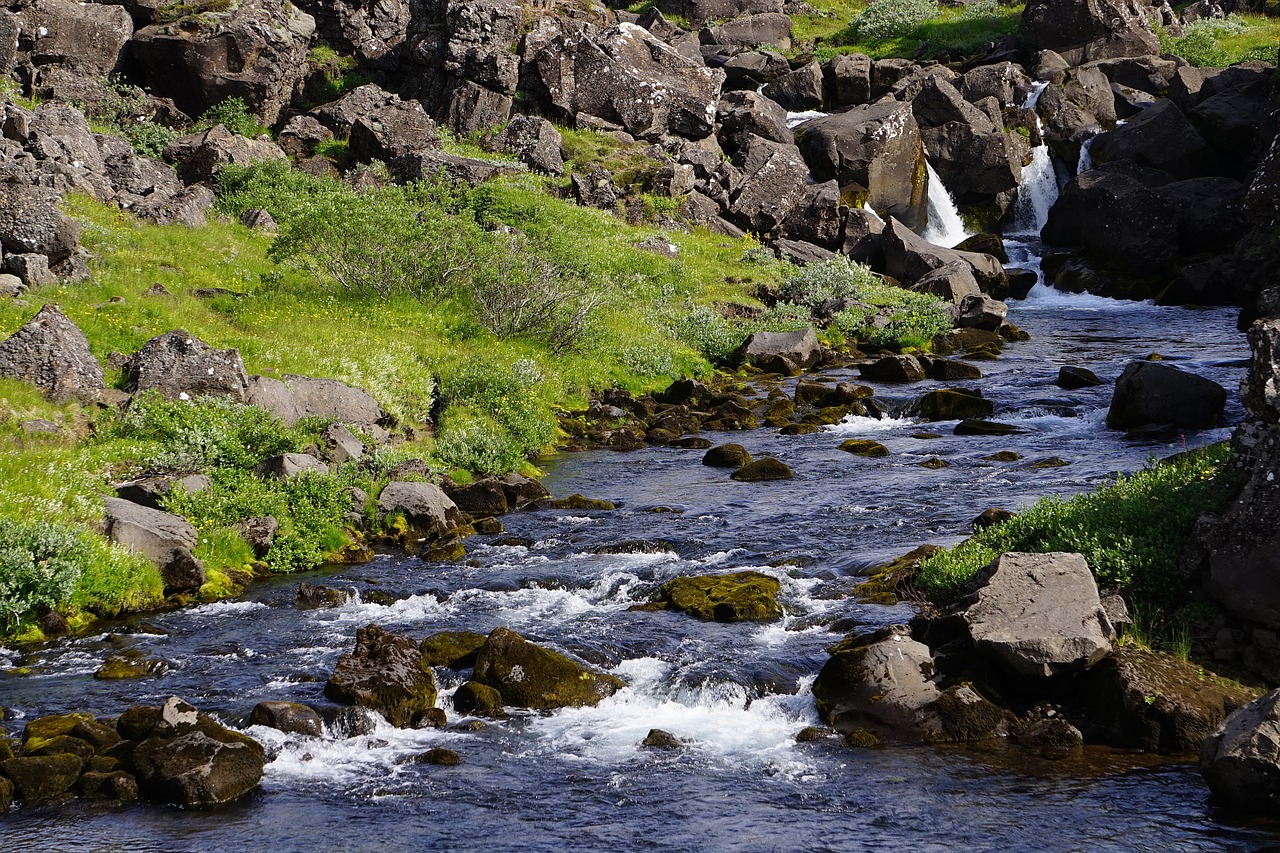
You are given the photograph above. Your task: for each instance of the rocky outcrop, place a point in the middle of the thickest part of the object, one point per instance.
(387, 673)
(180, 366)
(162, 538)
(780, 352)
(530, 676)
(1160, 137)
(1150, 392)
(1084, 30)
(51, 352)
(737, 597)
(86, 39)
(1241, 760)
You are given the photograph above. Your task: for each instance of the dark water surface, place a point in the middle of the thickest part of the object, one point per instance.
(576, 779)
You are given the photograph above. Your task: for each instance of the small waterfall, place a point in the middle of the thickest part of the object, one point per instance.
(1086, 159)
(1039, 189)
(945, 227)
(794, 120)
(869, 209)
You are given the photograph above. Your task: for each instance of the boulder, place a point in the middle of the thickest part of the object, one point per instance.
(1079, 104)
(479, 699)
(187, 758)
(164, 539)
(817, 219)
(314, 597)
(701, 11)
(799, 90)
(529, 676)
(536, 143)
(386, 673)
(87, 38)
(873, 151)
(256, 50)
(180, 366)
(306, 396)
(44, 777)
(50, 352)
(977, 311)
(1158, 138)
(727, 456)
(953, 282)
(301, 136)
(30, 222)
(848, 78)
(521, 490)
(751, 69)
(780, 352)
(949, 404)
(199, 156)
(289, 717)
(340, 445)
(1073, 378)
(339, 116)
(1038, 614)
(876, 685)
(736, 597)
(391, 131)
(743, 114)
(286, 466)
(1241, 760)
(426, 508)
(893, 368)
(909, 258)
(864, 447)
(774, 177)
(482, 499)
(766, 29)
(1085, 30)
(454, 649)
(763, 470)
(1150, 392)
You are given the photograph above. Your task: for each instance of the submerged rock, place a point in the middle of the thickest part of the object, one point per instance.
(289, 717)
(738, 597)
(762, 470)
(385, 672)
(727, 456)
(660, 739)
(529, 676)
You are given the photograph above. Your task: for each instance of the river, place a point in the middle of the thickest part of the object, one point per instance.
(577, 779)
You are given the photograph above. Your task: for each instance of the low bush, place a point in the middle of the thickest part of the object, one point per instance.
(881, 21)
(233, 114)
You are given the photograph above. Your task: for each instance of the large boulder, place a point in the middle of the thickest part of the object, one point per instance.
(391, 131)
(624, 74)
(30, 221)
(780, 352)
(701, 11)
(736, 597)
(341, 115)
(51, 352)
(742, 114)
(387, 673)
(1241, 760)
(199, 157)
(1084, 30)
(426, 509)
(86, 38)
(1038, 614)
(874, 151)
(876, 685)
(255, 51)
(774, 181)
(162, 538)
(188, 758)
(296, 396)
(529, 676)
(1151, 392)
(910, 258)
(180, 366)
(800, 90)
(37, 778)
(771, 29)
(289, 717)
(1160, 137)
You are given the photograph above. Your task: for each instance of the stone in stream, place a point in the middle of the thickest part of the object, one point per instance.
(290, 717)
(780, 352)
(737, 597)
(530, 676)
(385, 672)
(314, 597)
(864, 447)
(763, 470)
(479, 699)
(439, 756)
(946, 404)
(426, 509)
(1074, 378)
(118, 667)
(661, 739)
(1150, 392)
(187, 758)
(39, 778)
(727, 456)
(452, 649)
(1240, 760)
(977, 426)
(893, 368)
(1038, 614)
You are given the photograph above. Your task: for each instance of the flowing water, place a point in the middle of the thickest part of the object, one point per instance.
(1039, 188)
(945, 227)
(577, 779)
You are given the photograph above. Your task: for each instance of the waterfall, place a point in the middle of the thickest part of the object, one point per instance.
(1086, 159)
(945, 227)
(1039, 188)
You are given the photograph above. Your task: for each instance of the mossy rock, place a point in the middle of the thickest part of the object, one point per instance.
(1051, 462)
(440, 757)
(692, 442)
(42, 777)
(117, 668)
(763, 470)
(978, 426)
(454, 649)
(738, 597)
(480, 700)
(926, 436)
(799, 429)
(661, 739)
(861, 739)
(952, 404)
(933, 463)
(58, 745)
(813, 734)
(891, 581)
(961, 715)
(1003, 456)
(488, 526)
(864, 447)
(54, 725)
(386, 672)
(573, 502)
(447, 550)
(116, 785)
(529, 676)
(727, 456)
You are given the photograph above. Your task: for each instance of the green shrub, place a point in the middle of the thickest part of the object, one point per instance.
(891, 19)
(707, 331)
(207, 432)
(510, 397)
(234, 115)
(475, 441)
(837, 278)
(1130, 531)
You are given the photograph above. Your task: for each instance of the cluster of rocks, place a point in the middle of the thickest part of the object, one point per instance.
(173, 753)
(1028, 654)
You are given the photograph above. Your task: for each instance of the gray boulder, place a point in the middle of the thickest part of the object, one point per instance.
(289, 465)
(181, 366)
(817, 218)
(530, 676)
(743, 114)
(386, 673)
(535, 141)
(876, 684)
(1084, 30)
(391, 131)
(426, 508)
(1241, 760)
(340, 445)
(51, 352)
(1149, 392)
(1039, 614)
(767, 29)
(297, 397)
(1160, 137)
(199, 156)
(875, 151)
(780, 352)
(339, 116)
(288, 717)
(981, 312)
(30, 221)
(802, 89)
(189, 759)
(848, 77)
(910, 258)
(162, 538)
(87, 38)
(774, 182)
(148, 491)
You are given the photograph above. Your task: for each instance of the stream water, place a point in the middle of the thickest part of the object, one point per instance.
(577, 779)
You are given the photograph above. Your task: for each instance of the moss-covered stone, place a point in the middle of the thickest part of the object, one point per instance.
(951, 404)
(888, 582)
(42, 777)
(54, 725)
(575, 502)
(386, 672)
(926, 436)
(661, 739)
(738, 597)
(529, 676)
(440, 757)
(454, 649)
(861, 739)
(763, 470)
(933, 463)
(119, 667)
(116, 785)
(799, 429)
(727, 456)
(961, 715)
(1051, 462)
(1003, 456)
(813, 734)
(58, 745)
(978, 426)
(480, 700)
(864, 447)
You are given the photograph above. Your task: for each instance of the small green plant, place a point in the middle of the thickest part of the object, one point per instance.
(881, 21)
(171, 12)
(233, 114)
(1219, 42)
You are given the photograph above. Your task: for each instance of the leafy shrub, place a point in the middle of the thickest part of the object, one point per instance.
(891, 19)
(709, 332)
(510, 397)
(1130, 531)
(833, 279)
(234, 115)
(474, 441)
(40, 564)
(207, 432)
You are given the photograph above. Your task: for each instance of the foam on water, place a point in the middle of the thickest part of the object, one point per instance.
(860, 425)
(794, 120)
(1039, 188)
(1044, 296)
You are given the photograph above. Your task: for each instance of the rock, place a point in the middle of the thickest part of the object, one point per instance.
(301, 137)
(117, 667)
(180, 366)
(341, 445)
(200, 156)
(848, 80)
(780, 352)
(305, 396)
(751, 69)
(355, 722)
(439, 756)
(31, 270)
(876, 684)
(51, 352)
(737, 597)
(991, 517)
(256, 51)
(873, 149)
(1039, 614)
(482, 499)
(149, 491)
(981, 312)
(1074, 378)
(88, 38)
(521, 490)
(976, 426)
(535, 141)
(961, 715)
(454, 649)
(893, 368)
(771, 29)
(479, 699)
(661, 739)
(31, 222)
(949, 369)
(909, 258)
(763, 470)
(773, 183)
(314, 597)
(164, 539)
(529, 676)
(426, 508)
(1160, 137)
(1240, 761)
(289, 717)
(727, 456)
(798, 91)
(386, 672)
(817, 219)
(1085, 30)
(574, 502)
(286, 466)
(864, 447)
(390, 131)
(1149, 392)
(189, 759)
(949, 404)
(40, 778)
(953, 282)
(743, 114)
(11, 286)
(116, 785)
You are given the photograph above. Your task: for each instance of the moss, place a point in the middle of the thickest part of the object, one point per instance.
(440, 756)
(117, 668)
(763, 470)
(39, 778)
(738, 597)
(530, 676)
(864, 447)
(54, 725)
(1003, 456)
(453, 649)
(893, 580)
(861, 739)
(1051, 462)
(217, 586)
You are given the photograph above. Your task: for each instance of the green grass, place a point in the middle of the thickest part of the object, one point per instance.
(1130, 531)
(893, 31)
(1219, 43)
